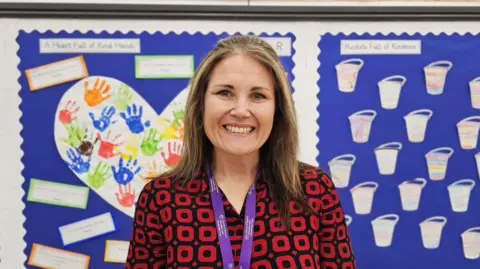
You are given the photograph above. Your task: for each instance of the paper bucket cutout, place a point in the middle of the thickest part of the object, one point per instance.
(411, 192)
(459, 193)
(390, 88)
(468, 132)
(475, 92)
(416, 123)
(361, 124)
(348, 219)
(362, 196)
(340, 169)
(387, 155)
(435, 76)
(431, 231)
(477, 161)
(384, 228)
(437, 162)
(347, 73)
(471, 243)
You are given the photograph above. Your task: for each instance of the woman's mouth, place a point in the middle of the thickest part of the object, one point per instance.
(238, 130)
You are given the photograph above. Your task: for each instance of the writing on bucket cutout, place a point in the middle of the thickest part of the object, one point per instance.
(416, 123)
(340, 169)
(411, 192)
(347, 74)
(437, 162)
(361, 124)
(387, 155)
(389, 89)
(435, 76)
(384, 229)
(362, 197)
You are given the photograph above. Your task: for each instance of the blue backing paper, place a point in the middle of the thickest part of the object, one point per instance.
(41, 159)
(335, 138)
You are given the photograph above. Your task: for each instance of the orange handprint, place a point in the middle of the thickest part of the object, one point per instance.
(125, 198)
(152, 170)
(173, 154)
(97, 94)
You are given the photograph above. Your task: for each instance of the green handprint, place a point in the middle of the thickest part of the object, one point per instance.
(178, 117)
(76, 133)
(123, 97)
(149, 144)
(99, 176)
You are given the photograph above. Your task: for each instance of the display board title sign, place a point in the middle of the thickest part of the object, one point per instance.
(89, 45)
(349, 47)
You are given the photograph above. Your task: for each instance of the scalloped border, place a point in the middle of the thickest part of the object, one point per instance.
(20, 74)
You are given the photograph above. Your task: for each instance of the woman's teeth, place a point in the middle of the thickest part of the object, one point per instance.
(240, 130)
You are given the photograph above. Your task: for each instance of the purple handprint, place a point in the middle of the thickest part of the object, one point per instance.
(77, 163)
(105, 118)
(124, 174)
(133, 119)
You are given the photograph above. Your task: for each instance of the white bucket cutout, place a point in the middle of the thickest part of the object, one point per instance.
(384, 228)
(475, 92)
(437, 162)
(390, 88)
(348, 220)
(459, 193)
(362, 196)
(411, 192)
(416, 123)
(431, 231)
(387, 155)
(477, 161)
(435, 76)
(347, 74)
(340, 169)
(361, 125)
(468, 132)
(471, 243)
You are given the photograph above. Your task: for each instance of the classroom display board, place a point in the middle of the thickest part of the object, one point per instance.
(399, 124)
(101, 113)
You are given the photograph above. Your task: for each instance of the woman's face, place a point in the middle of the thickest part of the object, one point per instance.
(239, 105)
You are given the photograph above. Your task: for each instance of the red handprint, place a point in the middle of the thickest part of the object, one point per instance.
(67, 114)
(173, 154)
(107, 146)
(97, 94)
(125, 198)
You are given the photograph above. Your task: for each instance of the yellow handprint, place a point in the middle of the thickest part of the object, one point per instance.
(131, 147)
(151, 170)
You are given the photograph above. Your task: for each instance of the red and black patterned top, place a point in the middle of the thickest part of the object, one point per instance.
(173, 230)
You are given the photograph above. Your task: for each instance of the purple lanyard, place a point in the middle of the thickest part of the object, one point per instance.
(222, 229)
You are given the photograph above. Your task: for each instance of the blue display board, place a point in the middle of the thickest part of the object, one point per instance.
(75, 114)
(398, 133)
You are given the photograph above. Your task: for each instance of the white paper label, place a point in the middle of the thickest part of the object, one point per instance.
(168, 66)
(48, 257)
(87, 228)
(349, 47)
(116, 251)
(282, 45)
(58, 194)
(89, 45)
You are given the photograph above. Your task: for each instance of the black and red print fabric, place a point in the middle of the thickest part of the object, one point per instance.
(174, 229)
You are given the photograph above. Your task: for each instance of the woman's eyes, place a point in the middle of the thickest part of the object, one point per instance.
(228, 93)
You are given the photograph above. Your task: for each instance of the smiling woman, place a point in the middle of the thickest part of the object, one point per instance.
(239, 196)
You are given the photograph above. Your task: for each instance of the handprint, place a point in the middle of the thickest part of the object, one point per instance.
(107, 146)
(173, 154)
(88, 143)
(150, 142)
(123, 97)
(97, 94)
(99, 175)
(76, 133)
(105, 118)
(124, 174)
(125, 198)
(67, 114)
(77, 164)
(131, 148)
(151, 170)
(133, 119)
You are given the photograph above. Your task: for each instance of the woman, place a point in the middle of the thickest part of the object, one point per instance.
(239, 173)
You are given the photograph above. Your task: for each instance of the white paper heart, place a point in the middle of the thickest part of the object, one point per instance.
(113, 140)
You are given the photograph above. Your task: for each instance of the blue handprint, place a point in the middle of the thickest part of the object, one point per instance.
(124, 174)
(134, 119)
(77, 163)
(105, 118)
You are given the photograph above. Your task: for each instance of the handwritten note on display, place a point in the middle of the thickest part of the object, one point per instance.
(89, 45)
(164, 66)
(56, 73)
(87, 228)
(349, 47)
(49, 257)
(50, 192)
(116, 251)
